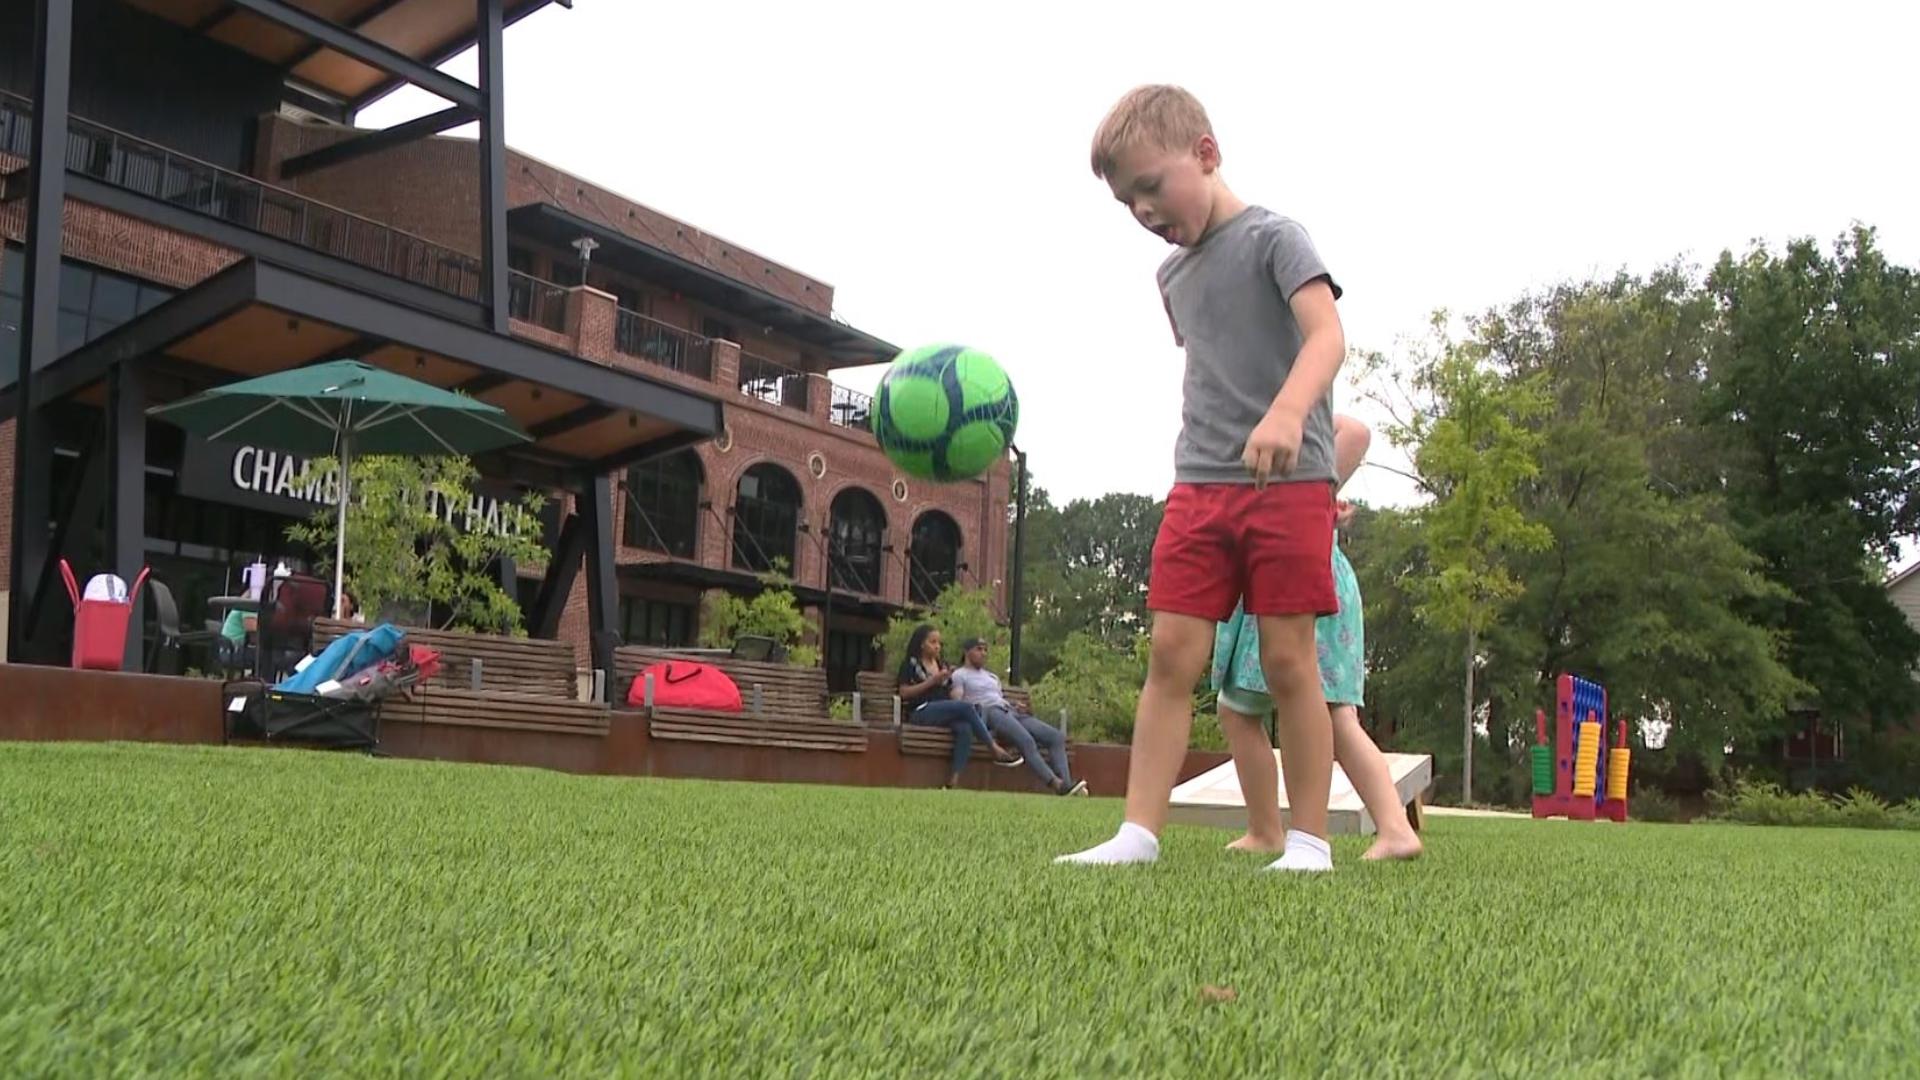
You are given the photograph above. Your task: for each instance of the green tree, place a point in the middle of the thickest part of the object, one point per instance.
(960, 612)
(1644, 586)
(403, 548)
(1813, 391)
(1087, 567)
(1473, 448)
(773, 612)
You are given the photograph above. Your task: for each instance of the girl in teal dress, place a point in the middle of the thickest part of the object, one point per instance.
(1340, 640)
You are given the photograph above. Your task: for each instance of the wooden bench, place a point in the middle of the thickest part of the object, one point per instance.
(880, 707)
(526, 684)
(739, 729)
(512, 664)
(784, 705)
(498, 709)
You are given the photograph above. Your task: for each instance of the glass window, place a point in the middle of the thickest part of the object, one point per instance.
(934, 557)
(766, 518)
(663, 504)
(859, 526)
(656, 622)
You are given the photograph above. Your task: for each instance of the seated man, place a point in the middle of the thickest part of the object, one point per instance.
(975, 685)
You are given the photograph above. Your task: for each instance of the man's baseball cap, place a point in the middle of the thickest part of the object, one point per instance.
(972, 643)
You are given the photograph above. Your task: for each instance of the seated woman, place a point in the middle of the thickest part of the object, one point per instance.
(926, 689)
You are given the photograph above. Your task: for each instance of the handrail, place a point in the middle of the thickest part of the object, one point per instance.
(148, 168)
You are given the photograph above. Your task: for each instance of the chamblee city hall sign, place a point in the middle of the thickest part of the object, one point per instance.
(286, 484)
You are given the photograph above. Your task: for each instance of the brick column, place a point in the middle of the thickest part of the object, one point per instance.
(590, 319)
(819, 398)
(726, 366)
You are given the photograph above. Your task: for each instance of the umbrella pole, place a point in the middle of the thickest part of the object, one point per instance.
(340, 531)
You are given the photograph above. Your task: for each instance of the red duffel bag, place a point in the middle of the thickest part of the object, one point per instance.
(686, 684)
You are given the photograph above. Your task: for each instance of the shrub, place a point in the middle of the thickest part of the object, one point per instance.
(1652, 804)
(773, 612)
(1754, 803)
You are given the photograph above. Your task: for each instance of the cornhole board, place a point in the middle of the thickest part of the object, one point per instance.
(1214, 798)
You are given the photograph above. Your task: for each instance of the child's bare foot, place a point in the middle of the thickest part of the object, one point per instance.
(1395, 846)
(1260, 844)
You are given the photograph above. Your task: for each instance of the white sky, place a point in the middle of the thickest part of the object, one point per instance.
(931, 165)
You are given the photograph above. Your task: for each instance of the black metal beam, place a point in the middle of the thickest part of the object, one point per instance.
(679, 440)
(452, 49)
(212, 19)
(360, 146)
(364, 49)
(126, 430)
(303, 297)
(490, 25)
(562, 570)
(40, 305)
(270, 248)
(480, 384)
(359, 22)
(203, 305)
(567, 421)
(603, 604)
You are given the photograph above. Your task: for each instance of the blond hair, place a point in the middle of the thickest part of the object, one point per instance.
(1163, 117)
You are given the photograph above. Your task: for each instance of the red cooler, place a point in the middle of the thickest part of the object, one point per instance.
(100, 626)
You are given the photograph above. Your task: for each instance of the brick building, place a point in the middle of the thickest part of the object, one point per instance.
(737, 453)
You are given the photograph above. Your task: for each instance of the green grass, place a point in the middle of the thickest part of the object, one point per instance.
(171, 910)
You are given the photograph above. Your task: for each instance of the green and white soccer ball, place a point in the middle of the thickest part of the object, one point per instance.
(945, 412)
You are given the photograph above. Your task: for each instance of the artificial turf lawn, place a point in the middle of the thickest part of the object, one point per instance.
(196, 910)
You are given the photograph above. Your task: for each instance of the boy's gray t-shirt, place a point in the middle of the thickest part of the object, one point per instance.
(1228, 298)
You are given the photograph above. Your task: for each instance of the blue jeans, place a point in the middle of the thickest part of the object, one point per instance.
(1028, 736)
(958, 717)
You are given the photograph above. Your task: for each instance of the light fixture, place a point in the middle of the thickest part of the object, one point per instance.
(586, 246)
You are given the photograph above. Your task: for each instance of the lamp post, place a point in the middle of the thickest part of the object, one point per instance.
(1018, 600)
(586, 246)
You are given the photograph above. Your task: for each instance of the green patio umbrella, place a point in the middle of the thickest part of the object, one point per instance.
(344, 408)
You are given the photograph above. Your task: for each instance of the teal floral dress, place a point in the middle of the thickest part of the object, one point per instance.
(1340, 640)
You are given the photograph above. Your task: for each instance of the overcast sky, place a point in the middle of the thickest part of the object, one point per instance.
(931, 163)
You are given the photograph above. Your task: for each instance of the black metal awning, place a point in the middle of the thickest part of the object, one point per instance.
(255, 318)
(352, 51)
(842, 345)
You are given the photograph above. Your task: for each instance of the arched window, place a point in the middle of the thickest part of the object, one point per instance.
(856, 532)
(934, 557)
(766, 514)
(663, 504)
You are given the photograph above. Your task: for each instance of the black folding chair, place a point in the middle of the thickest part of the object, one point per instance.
(167, 645)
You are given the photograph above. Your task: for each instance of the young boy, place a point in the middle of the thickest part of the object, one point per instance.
(1251, 510)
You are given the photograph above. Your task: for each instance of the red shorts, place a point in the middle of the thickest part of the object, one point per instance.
(1220, 542)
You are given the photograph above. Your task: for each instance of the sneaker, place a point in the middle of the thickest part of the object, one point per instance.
(1079, 789)
(1010, 762)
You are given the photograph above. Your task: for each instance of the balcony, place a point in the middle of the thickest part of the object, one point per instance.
(664, 344)
(774, 383)
(134, 165)
(850, 408)
(541, 303)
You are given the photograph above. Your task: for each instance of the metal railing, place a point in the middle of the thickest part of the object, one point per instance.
(145, 168)
(541, 303)
(850, 408)
(774, 383)
(661, 343)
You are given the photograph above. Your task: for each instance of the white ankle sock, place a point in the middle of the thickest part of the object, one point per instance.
(1132, 844)
(1305, 853)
